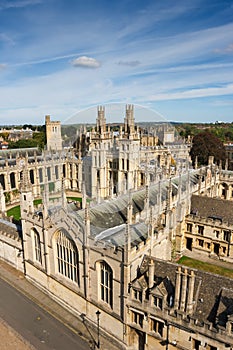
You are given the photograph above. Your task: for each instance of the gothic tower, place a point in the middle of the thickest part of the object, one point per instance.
(129, 120)
(101, 121)
(26, 196)
(53, 134)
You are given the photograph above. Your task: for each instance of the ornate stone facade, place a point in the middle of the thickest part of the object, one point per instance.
(115, 254)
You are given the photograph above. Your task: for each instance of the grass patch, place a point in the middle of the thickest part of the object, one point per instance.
(37, 201)
(77, 199)
(15, 212)
(204, 266)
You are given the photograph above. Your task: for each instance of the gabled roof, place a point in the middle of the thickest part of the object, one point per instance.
(140, 283)
(163, 288)
(213, 293)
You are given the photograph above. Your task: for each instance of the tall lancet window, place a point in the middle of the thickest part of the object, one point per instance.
(67, 257)
(106, 283)
(37, 247)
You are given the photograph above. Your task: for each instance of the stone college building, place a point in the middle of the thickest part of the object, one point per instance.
(143, 206)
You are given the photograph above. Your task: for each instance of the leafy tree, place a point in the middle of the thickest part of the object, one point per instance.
(27, 126)
(22, 144)
(229, 135)
(5, 135)
(207, 144)
(40, 139)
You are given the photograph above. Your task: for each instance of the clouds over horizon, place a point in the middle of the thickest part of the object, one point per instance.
(62, 60)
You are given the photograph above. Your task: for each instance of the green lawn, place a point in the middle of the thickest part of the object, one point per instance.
(200, 265)
(15, 211)
(77, 199)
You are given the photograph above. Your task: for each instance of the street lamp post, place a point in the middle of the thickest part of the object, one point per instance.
(98, 328)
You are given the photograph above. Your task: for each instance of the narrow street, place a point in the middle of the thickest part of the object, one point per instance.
(34, 324)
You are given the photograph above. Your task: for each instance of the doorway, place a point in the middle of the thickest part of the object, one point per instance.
(189, 243)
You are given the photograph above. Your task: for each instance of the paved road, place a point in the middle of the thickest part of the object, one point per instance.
(34, 324)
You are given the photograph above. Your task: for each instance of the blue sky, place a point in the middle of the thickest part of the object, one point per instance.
(59, 57)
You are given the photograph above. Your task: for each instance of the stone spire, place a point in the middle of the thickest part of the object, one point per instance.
(2, 201)
(129, 120)
(84, 196)
(128, 229)
(63, 194)
(45, 198)
(26, 196)
(147, 201)
(101, 121)
(25, 184)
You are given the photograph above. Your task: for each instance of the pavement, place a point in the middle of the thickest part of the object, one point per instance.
(11, 340)
(74, 323)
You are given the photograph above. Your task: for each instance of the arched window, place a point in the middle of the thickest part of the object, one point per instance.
(67, 257)
(37, 246)
(106, 279)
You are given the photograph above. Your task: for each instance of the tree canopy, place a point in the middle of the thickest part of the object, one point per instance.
(207, 144)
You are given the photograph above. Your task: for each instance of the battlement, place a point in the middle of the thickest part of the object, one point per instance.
(129, 107)
(101, 109)
(218, 222)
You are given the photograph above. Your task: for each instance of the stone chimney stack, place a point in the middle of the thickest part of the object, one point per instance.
(184, 290)
(211, 160)
(151, 272)
(2, 201)
(190, 293)
(177, 288)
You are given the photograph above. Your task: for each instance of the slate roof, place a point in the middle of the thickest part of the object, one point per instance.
(213, 293)
(212, 208)
(113, 213)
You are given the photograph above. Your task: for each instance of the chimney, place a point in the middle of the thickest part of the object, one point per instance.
(183, 290)
(151, 272)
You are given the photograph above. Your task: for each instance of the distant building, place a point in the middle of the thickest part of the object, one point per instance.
(229, 154)
(3, 145)
(53, 134)
(17, 134)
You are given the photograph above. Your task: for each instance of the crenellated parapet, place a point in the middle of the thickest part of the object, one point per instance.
(11, 249)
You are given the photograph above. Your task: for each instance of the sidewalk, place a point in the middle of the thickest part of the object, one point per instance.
(19, 282)
(11, 340)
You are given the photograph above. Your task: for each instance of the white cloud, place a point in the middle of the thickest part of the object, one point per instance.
(86, 62)
(18, 4)
(194, 93)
